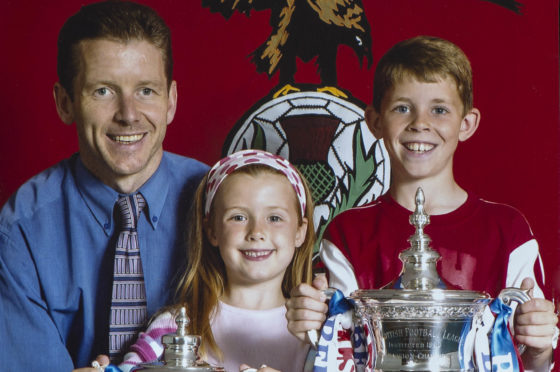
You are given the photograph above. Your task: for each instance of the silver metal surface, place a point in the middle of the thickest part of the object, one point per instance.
(181, 351)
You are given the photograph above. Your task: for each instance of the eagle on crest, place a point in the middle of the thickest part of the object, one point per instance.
(304, 29)
(309, 29)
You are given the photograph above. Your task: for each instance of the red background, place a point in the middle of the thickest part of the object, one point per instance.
(513, 158)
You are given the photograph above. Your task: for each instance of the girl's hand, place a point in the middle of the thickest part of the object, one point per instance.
(102, 361)
(263, 368)
(535, 326)
(306, 308)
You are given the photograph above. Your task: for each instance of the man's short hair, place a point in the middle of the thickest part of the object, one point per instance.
(427, 59)
(114, 20)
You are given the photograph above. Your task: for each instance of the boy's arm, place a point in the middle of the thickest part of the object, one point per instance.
(341, 271)
(306, 308)
(521, 265)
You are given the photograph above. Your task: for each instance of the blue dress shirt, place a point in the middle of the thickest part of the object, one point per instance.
(57, 239)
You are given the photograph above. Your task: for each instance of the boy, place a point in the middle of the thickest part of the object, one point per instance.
(422, 107)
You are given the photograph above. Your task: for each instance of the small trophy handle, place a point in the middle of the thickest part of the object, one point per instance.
(507, 295)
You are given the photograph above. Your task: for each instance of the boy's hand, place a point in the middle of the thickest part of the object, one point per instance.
(535, 326)
(307, 308)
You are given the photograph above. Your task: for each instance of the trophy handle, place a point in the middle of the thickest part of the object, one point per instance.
(313, 334)
(507, 295)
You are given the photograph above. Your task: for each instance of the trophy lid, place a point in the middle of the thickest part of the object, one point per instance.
(419, 279)
(181, 336)
(419, 260)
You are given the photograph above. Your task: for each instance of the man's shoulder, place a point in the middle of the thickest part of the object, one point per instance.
(40, 190)
(184, 161)
(183, 166)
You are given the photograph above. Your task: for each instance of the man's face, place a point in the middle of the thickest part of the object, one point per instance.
(121, 108)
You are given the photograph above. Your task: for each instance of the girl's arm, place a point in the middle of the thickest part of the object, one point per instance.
(148, 347)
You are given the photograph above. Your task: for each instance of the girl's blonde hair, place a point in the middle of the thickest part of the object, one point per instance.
(205, 278)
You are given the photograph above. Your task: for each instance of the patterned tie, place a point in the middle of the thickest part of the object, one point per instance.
(128, 301)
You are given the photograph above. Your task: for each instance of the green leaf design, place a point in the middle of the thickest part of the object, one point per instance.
(360, 180)
(259, 138)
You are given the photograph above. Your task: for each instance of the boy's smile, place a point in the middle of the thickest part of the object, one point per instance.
(421, 124)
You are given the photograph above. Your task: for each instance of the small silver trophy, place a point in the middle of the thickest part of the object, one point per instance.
(181, 351)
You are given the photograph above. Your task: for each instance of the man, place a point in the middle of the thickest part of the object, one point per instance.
(59, 232)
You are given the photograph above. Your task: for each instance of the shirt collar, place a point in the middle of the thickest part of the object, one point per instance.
(155, 191)
(101, 198)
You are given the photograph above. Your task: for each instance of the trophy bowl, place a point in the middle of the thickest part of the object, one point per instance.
(426, 330)
(419, 330)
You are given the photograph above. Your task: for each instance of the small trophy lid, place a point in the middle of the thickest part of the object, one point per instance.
(181, 336)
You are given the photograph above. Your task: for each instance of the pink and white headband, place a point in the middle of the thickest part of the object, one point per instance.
(239, 159)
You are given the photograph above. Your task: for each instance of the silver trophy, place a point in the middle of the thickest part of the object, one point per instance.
(422, 325)
(181, 351)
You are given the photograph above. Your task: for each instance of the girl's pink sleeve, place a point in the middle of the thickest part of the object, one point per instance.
(148, 347)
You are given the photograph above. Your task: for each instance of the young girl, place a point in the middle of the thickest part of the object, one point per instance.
(251, 242)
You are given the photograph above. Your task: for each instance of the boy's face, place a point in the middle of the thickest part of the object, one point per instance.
(421, 124)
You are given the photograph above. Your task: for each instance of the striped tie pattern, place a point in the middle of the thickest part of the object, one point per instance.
(128, 301)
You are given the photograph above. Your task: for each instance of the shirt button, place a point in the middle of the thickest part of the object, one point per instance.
(107, 226)
(154, 219)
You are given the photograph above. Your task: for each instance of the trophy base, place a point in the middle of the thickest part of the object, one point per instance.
(418, 362)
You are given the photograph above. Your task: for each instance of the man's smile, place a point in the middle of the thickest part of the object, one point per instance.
(126, 139)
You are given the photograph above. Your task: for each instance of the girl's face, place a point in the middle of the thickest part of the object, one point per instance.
(255, 225)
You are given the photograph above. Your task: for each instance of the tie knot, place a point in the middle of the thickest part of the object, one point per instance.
(129, 208)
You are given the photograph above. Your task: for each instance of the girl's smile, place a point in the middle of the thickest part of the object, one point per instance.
(255, 225)
(256, 254)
